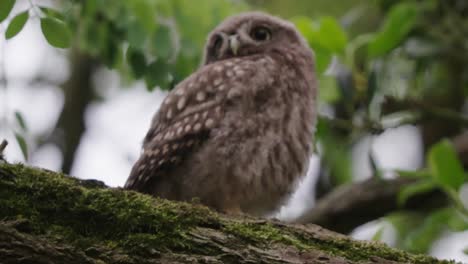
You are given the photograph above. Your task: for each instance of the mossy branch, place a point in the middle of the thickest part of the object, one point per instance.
(48, 217)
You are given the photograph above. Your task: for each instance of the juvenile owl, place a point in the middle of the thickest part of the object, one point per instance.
(236, 134)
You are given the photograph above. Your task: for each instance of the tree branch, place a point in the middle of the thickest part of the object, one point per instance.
(430, 111)
(349, 206)
(51, 218)
(78, 91)
(461, 145)
(3, 145)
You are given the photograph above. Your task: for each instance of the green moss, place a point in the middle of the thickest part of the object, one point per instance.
(266, 232)
(61, 208)
(263, 232)
(56, 205)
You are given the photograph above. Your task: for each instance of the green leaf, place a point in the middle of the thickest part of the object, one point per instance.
(136, 35)
(335, 155)
(332, 35)
(49, 12)
(16, 24)
(378, 235)
(310, 32)
(22, 144)
(398, 23)
(329, 91)
(145, 13)
(137, 61)
(20, 121)
(411, 190)
(420, 240)
(5, 8)
(56, 32)
(414, 174)
(445, 165)
(162, 42)
(326, 33)
(157, 75)
(404, 223)
(457, 221)
(326, 38)
(323, 58)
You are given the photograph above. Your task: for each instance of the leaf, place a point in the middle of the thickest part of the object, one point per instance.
(322, 55)
(49, 12)
(112, 54)
(378, 235)
(20, 120)
(445, 165)
(398, 23)
(16, 24)
(145, 13)
(56, 32)
(335, 155)
(414, 174)
(329, 91)
(411, 190)
(326, 33)
(136, 35)
(137, 61)
(404, 223)
(332, 35)
(163, 45)
(320, 40)
(323, 58)
(457, 221)
(5, 8)
(420, 240)
(157, 75)
(22, 144)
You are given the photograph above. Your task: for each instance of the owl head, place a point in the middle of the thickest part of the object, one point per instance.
(251, 33)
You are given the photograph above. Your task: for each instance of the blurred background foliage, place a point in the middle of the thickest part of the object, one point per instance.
(381, 64)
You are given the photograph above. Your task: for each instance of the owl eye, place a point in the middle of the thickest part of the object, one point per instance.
(217, 42)
(260, 33)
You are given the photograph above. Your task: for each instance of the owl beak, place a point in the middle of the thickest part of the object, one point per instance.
(234, 44)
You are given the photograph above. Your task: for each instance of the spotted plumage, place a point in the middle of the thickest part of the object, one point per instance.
(237, 133)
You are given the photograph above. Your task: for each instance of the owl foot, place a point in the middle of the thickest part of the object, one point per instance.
(234, 210)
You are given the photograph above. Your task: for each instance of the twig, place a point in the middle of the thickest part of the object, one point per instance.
(3, 145)
(428, 110)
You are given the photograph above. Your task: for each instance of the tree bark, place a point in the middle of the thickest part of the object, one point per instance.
(349, 206)
(48, 217)
(79, 92)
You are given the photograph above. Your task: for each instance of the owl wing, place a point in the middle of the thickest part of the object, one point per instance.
(190, 112)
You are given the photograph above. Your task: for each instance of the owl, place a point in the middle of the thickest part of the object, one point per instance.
(237, 134)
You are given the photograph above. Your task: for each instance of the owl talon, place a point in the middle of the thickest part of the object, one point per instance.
(235, 210)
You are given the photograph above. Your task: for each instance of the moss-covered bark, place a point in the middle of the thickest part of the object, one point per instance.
(47, 217)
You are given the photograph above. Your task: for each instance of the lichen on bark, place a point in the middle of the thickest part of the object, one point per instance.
(53, 218)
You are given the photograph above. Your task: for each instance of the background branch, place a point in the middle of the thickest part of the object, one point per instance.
(349, 206)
